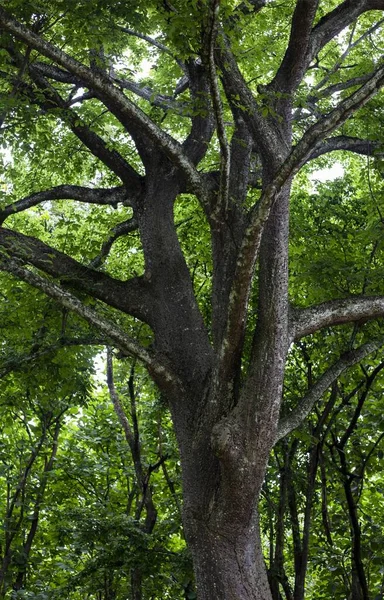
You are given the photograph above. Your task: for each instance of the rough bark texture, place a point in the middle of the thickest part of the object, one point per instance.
(228, 562)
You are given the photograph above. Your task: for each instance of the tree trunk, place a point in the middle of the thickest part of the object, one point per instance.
(220, 491)
(229, 563)
(136, 584)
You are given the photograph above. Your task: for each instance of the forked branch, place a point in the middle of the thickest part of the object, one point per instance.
(133, 296)
(118, 231)
(338, 19)
(351, 144)
(251, 241)
(295, 61)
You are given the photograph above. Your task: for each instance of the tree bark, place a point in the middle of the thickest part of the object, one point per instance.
(229, 563)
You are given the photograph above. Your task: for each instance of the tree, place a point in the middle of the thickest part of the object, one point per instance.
(221, 130)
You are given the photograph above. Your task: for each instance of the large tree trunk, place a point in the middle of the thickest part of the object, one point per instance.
(221, 488)
(228, 560)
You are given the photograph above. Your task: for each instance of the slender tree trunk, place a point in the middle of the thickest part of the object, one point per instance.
(301, 572)
(136, 584)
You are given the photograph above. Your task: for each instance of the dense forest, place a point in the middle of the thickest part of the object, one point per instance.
(192, 300)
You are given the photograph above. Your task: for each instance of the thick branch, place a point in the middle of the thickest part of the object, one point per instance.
(297, 416)
(97, 145)
(339, 115)
(110, 197)
(55, 73)
(340, 86)
(270, 144)
(244, 174)
(203, 124)
(351, 144)
(336, 312)
(294, 64)
(350, 47)
(132, 296)
(51, 99)
(164, 102)
(143, 91)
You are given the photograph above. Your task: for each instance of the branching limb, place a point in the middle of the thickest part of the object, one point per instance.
(159, 369)
(51, 100)
(297, 416)
(110, 197)
(165, 102)
(48, 98)
(118, 231)
(338, 87)
(315, 134)
(244, 172)
(132, 297)
(351, 144)
(136, 122)
(335, 21)
(251, 242)
(267, 138)
(336, 312)
(97, 145)
(342, 58)
(53, 72)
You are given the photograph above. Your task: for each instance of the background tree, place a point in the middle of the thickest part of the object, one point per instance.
(216, 137)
